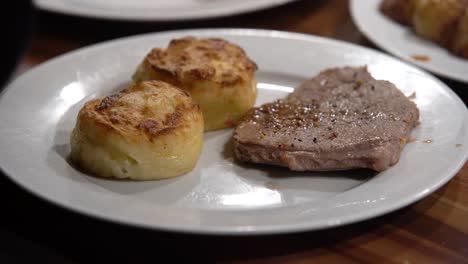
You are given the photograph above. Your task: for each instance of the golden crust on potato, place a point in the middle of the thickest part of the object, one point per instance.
(218, 75)
(214, 60)
(151, 130)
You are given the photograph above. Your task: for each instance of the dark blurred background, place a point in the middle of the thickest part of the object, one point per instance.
(17, 21)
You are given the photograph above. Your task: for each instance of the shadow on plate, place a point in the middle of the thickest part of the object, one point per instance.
(281, 172)
(281, 178)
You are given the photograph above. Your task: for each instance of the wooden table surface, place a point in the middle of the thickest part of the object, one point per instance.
(433, 230)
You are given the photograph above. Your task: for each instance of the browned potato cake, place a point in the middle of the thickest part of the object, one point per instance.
(151, 130)
(218, 75)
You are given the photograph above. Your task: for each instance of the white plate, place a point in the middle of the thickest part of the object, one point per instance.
(38, 111)
(155, 10)
(402, 42)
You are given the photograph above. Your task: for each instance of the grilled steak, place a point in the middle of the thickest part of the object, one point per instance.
(341, 119)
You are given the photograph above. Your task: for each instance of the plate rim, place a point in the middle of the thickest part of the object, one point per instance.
(58, 6)
(258, 230)
(354, 6)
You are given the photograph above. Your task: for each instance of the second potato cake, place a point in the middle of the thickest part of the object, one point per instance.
(149, 131)
(218, 75)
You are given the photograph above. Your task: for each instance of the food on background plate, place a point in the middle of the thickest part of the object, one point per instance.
(341, 119)
(399, 10)
(444, 22)
(150, 130)
(460, 42)
(218, 75)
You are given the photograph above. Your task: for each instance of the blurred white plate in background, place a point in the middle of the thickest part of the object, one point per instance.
(156, 10)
